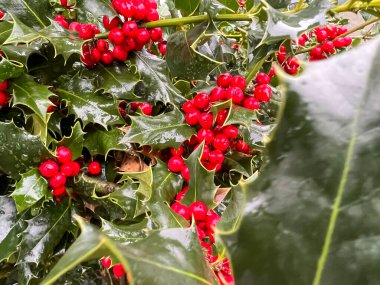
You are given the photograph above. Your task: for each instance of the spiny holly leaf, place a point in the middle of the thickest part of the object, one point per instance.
(92, 10)
(240, 116)
(5, 30)
(10, 69)
(212, 7)
(21, 33)
(86, 104)
(117, 80)
(156, 79)
(102, 141)
(44, 232)
(256, 135)
(182, 57)
(201, 184)
(314, 208)
(28, 93)
(144, 178)
(10, 228)
(75, 141)
(239, 163)
(150, 261)
(19, 150)
(33, 13)
(30, 189)
(125, 234)
(282, 26)
(21, 53)
(162, 131)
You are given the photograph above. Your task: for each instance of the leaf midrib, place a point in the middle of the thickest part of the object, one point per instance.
(34, 14)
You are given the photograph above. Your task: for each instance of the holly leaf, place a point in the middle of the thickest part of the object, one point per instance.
(212, 7)
(145, 264)
(201, 184)
(28, 93)
(156, 79)
(125, 234)
(21, 53)
(10, 69)
(313, 207)
(282, 26)
(19, 150)
(240, 116)
(83, 102)
(144, 178)
(162, 131)
(187, 7)
(5, 30)
(102, 141)
(239, 163)
(183, 58)
(75, 141)
(30, 189)
(255, 135)
(10, 228)
(21, 33)
(92, 10)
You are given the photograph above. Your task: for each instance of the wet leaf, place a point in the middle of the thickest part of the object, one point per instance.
(21, 33)
(9, 69)
(75, 141)
(5, 30)
(125, 234)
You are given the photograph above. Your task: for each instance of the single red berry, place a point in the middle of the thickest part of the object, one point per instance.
(301, 41)
(224, 80)
(49, 169)
(251, 103)
(212, 219)
(272, 72)
(262, 78)
(316, 52)
(348, 41)
(235, 93)
(205, 135)
(221, 142)
(156, 34)
(177, 152)
(175, 164)
(152, 15)
(328, 47)
(239, 82)
(106, 262)
(94, 168)
(130, 44)
(2, 15)
(206, 120)
(198, 210)
(341, 31)
(4, 85)
(151, 3)
(192, 117)
(85, 31)
(182, 194)
(64, 154)
(281, 57)
(188, 106)
(143, 36)
(59, 191)
(321, 34)
(107, 58)
(87, 59)
(119, 53)
(146, 109)
(162, 48)
(185, 172)
(201, 101)
(332, 31)
(64, 4)
(70, 169)
(96, 54)
(102, 45)
(231, 132)
(216, 157)
(181, 210)
(130, 29)
(242, 146)
(116, 36)
(140, 12)
(126, 9)
(221, 116)
(118, 270)
(57, 181)
(109, 25)
(263, 93)
(217, 94)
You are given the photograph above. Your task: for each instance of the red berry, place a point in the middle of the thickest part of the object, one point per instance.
(216, 157)
(59, 191)
(162, 48)
(181, 210)
(4, 85)
(206, 120)
(235, 93)
(94, 168)
(188, 106)
(151, 4)
(156, 34)
(152, 15)
(70, 169)
(282, 49)
(96, 54)
(102, 45)
(119, 53)
(192, 117)
(48, 169)
(64, 4)
(212, 219)
(272, 72)
(2, 15)
(116, 36)
(198, 210)
(281, 57)
(316, 52)
(348, 41)
(140, 12)
(332, 31)
(251, 103)
(109, 25)
(175, 164)
(182, 194)
(57, 181)
(146, 108)
(263, 93)
(328, 47)
(185, 172)
(231, 132)
(224, 80)
(106, 262)
(217, 94)
(118, 270)
(221, 142)
(130, 29)
(239, 82)
(85, 31)
(341, 31)
(301, 41)
(143, 36)
(321, 34)
(64, 154)
(242, 146)
(177, 152)
(221, 116)
(201, 101)
(4, 98)
(205, 135)
(262, 78)
(107, 58)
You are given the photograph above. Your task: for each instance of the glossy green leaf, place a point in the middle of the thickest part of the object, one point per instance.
(233, 4)
(11, 227)
(150, 261)
(162, 131)
(282, 26)
(5, 30)
(201, 185)
(19, 150)
(9, 69)
(240, 116)
(86, 104)
(102, 141)
(21, 53)
(75, 141)
(125, 234)
(239, 163)
(30, 189)
(183, 58)
(313, 209)
(93, 9)
(256, 135)
(156, 79)
(27, 92)
(187, 7)
(21, 33)
(44, 232)
(212, 7)
(144, 178)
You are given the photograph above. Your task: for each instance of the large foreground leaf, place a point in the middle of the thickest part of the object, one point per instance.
(171, 256)
(313, 218)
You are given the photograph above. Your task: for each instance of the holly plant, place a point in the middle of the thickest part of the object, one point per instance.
(189, 142)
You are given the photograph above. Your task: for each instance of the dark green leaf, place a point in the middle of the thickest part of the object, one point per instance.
(89, 10)
(21, 53)
(162, 131)
(19, 150)
(314, 208)
(21, 33)
(75, 141)
(256, 135)
(9, 69)
(5, 30)
(144, 178)
(187, 7)
(239, 163)
(212, 7)
(125, 234)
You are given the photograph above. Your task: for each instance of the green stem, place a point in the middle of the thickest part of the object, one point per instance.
(299, 6)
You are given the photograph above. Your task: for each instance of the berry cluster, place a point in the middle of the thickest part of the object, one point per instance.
(4, 95)
(117, 269)
(289, 64)
(85, 31)
(57, 173)
(205, 221)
